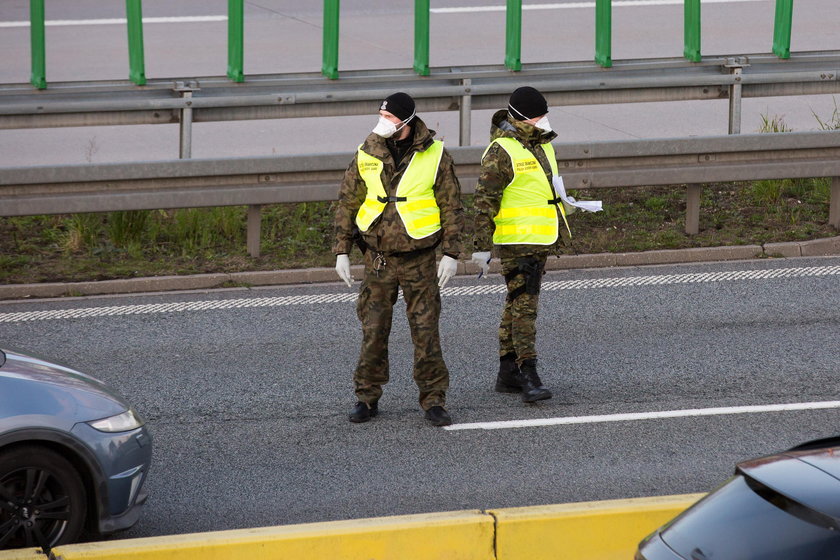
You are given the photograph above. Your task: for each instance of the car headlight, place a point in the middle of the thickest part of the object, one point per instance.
(124, 422)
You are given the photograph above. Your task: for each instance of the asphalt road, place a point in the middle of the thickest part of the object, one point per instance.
(286, 36)
(246, 392)
(248, 404)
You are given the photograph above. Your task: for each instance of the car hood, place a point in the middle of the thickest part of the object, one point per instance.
(810, 478)
(35, 392)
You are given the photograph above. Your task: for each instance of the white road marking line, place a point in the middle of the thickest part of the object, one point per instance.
(116, 21)
(473, 9)
(576, 5)
(634, 416)
(596, 283)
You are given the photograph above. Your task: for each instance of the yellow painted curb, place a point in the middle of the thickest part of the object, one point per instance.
(22, 554)
(606, 530)
(460, 535)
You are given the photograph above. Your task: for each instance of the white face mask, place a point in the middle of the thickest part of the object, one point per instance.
(385, 128)
(543, 124)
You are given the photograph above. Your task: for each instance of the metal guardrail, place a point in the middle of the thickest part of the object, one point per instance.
(445, 89)
(267, 180)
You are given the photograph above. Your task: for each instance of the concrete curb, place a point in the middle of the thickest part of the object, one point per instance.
(606, 530)
(818, 247)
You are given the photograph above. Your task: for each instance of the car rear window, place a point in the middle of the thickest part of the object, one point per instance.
(735, 522)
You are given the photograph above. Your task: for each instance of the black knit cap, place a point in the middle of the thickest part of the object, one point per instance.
(527, 103)
(399, 104)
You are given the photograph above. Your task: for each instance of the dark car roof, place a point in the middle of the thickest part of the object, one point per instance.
(809, 477)
(35, 392)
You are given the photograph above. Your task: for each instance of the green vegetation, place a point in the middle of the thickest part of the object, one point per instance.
(166, 242)
(833, 122)
(135, 244)
(160, 242)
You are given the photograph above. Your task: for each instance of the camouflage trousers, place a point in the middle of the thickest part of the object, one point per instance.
(518, 326)
(416, 274)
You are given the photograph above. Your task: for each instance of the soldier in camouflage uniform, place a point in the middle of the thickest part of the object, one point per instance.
(378, 209)
(522, 252)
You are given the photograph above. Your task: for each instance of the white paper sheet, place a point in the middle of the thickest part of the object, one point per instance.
(560, 191)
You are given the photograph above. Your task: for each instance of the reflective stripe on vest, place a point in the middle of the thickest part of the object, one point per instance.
(419, 210)
(526, 217)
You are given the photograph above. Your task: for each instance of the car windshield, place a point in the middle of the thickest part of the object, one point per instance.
(735, 522)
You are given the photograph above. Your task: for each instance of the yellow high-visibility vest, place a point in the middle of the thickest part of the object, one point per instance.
(415, 198)
(528, 215)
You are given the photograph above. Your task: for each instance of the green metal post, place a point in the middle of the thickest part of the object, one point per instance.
(513, 43)
(603, 33)
(692, 30)
(781, 30)
(134, 15)
(421, 37)
(236, 33)
(329, 68)
(38, 43)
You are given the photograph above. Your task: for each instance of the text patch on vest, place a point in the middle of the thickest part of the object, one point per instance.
(525, 165)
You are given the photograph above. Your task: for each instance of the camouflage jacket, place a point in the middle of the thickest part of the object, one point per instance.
(387, 233)
(497, 173)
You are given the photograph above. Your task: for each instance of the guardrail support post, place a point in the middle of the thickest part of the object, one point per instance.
(236, 33)
(735, 104)
(692, 209)
(186, 90)
(186, 128)
(421, 37)
(329, 68)
(781, 29)
(134, 15)
(692, 31)
(37, 40)
(834, 204)
(736, 67)
(603, 33)
(254, 226)
(465, 114)
(513, 35)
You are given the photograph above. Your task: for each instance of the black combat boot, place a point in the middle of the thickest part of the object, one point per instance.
(438, 416)
(363, 412)
(508, 380)
(532, 388)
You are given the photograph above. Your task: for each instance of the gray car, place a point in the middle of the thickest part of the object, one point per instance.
(783, 506)
(73, 455)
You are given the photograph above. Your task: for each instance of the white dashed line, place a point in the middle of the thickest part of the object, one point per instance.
(635, 416)
(482, 289)
(116, 21)
(578, 5)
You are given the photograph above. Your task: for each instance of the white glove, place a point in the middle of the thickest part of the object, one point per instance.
(482, 259)
(446, 270)
(568, 207)
(342, 268)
